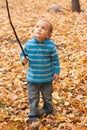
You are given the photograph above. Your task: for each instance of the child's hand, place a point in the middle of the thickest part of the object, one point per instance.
(56, 78)
(25, 61)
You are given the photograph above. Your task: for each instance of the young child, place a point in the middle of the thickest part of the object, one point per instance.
(43, 68)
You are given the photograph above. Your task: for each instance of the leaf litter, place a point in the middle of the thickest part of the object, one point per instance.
(70, 93)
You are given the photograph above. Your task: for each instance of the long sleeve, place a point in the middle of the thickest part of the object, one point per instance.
(26, 52)
(55, 60)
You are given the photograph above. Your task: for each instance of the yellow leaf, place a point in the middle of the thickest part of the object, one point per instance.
(71, 115)
(54, 101)
(62, 118)
(44, 128)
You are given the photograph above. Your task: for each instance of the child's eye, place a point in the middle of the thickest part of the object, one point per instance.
(43, 28)
(37, 26)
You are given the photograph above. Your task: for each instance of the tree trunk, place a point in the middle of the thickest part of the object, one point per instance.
(76, 6)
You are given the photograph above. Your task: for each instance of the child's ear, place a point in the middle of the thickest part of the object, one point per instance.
(49, 35)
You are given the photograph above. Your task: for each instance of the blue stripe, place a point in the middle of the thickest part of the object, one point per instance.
(39, 78)
(40, 75)
(47, 71)
(38, 47)
(39, 52)
(40, 70)
(40, 62)
(39, 81)
(38, 57)
(41, 67)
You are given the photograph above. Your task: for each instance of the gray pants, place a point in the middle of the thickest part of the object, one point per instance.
(34, 96)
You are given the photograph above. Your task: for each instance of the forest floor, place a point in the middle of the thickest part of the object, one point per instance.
(70, 93)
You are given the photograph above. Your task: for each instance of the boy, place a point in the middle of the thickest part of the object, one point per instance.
(43, 68)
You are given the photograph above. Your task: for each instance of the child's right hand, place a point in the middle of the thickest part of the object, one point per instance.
(25, 61)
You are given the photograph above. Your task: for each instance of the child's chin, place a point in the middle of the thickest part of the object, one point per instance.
(38, 37)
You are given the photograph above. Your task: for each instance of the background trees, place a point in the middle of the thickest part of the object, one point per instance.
(76, 6)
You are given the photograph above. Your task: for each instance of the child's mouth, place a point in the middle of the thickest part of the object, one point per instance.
(38, 33)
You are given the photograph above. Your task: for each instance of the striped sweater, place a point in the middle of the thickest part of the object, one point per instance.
(43, 60)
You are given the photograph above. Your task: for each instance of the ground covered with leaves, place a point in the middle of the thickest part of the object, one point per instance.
(70, 93)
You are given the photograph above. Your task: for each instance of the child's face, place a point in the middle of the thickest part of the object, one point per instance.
(42, 30)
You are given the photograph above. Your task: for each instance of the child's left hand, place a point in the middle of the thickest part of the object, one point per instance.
(56, 77)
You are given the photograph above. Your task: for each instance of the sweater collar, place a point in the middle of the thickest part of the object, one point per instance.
(44, 41)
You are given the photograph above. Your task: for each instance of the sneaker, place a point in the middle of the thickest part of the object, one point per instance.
(47, 111)
(33, 118)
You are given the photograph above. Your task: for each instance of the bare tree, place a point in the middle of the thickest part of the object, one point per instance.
(76, 6)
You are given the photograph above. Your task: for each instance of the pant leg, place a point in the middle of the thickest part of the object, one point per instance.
(46, 91)
(33, 95)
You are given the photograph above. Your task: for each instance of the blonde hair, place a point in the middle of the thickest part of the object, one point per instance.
(50, 25)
